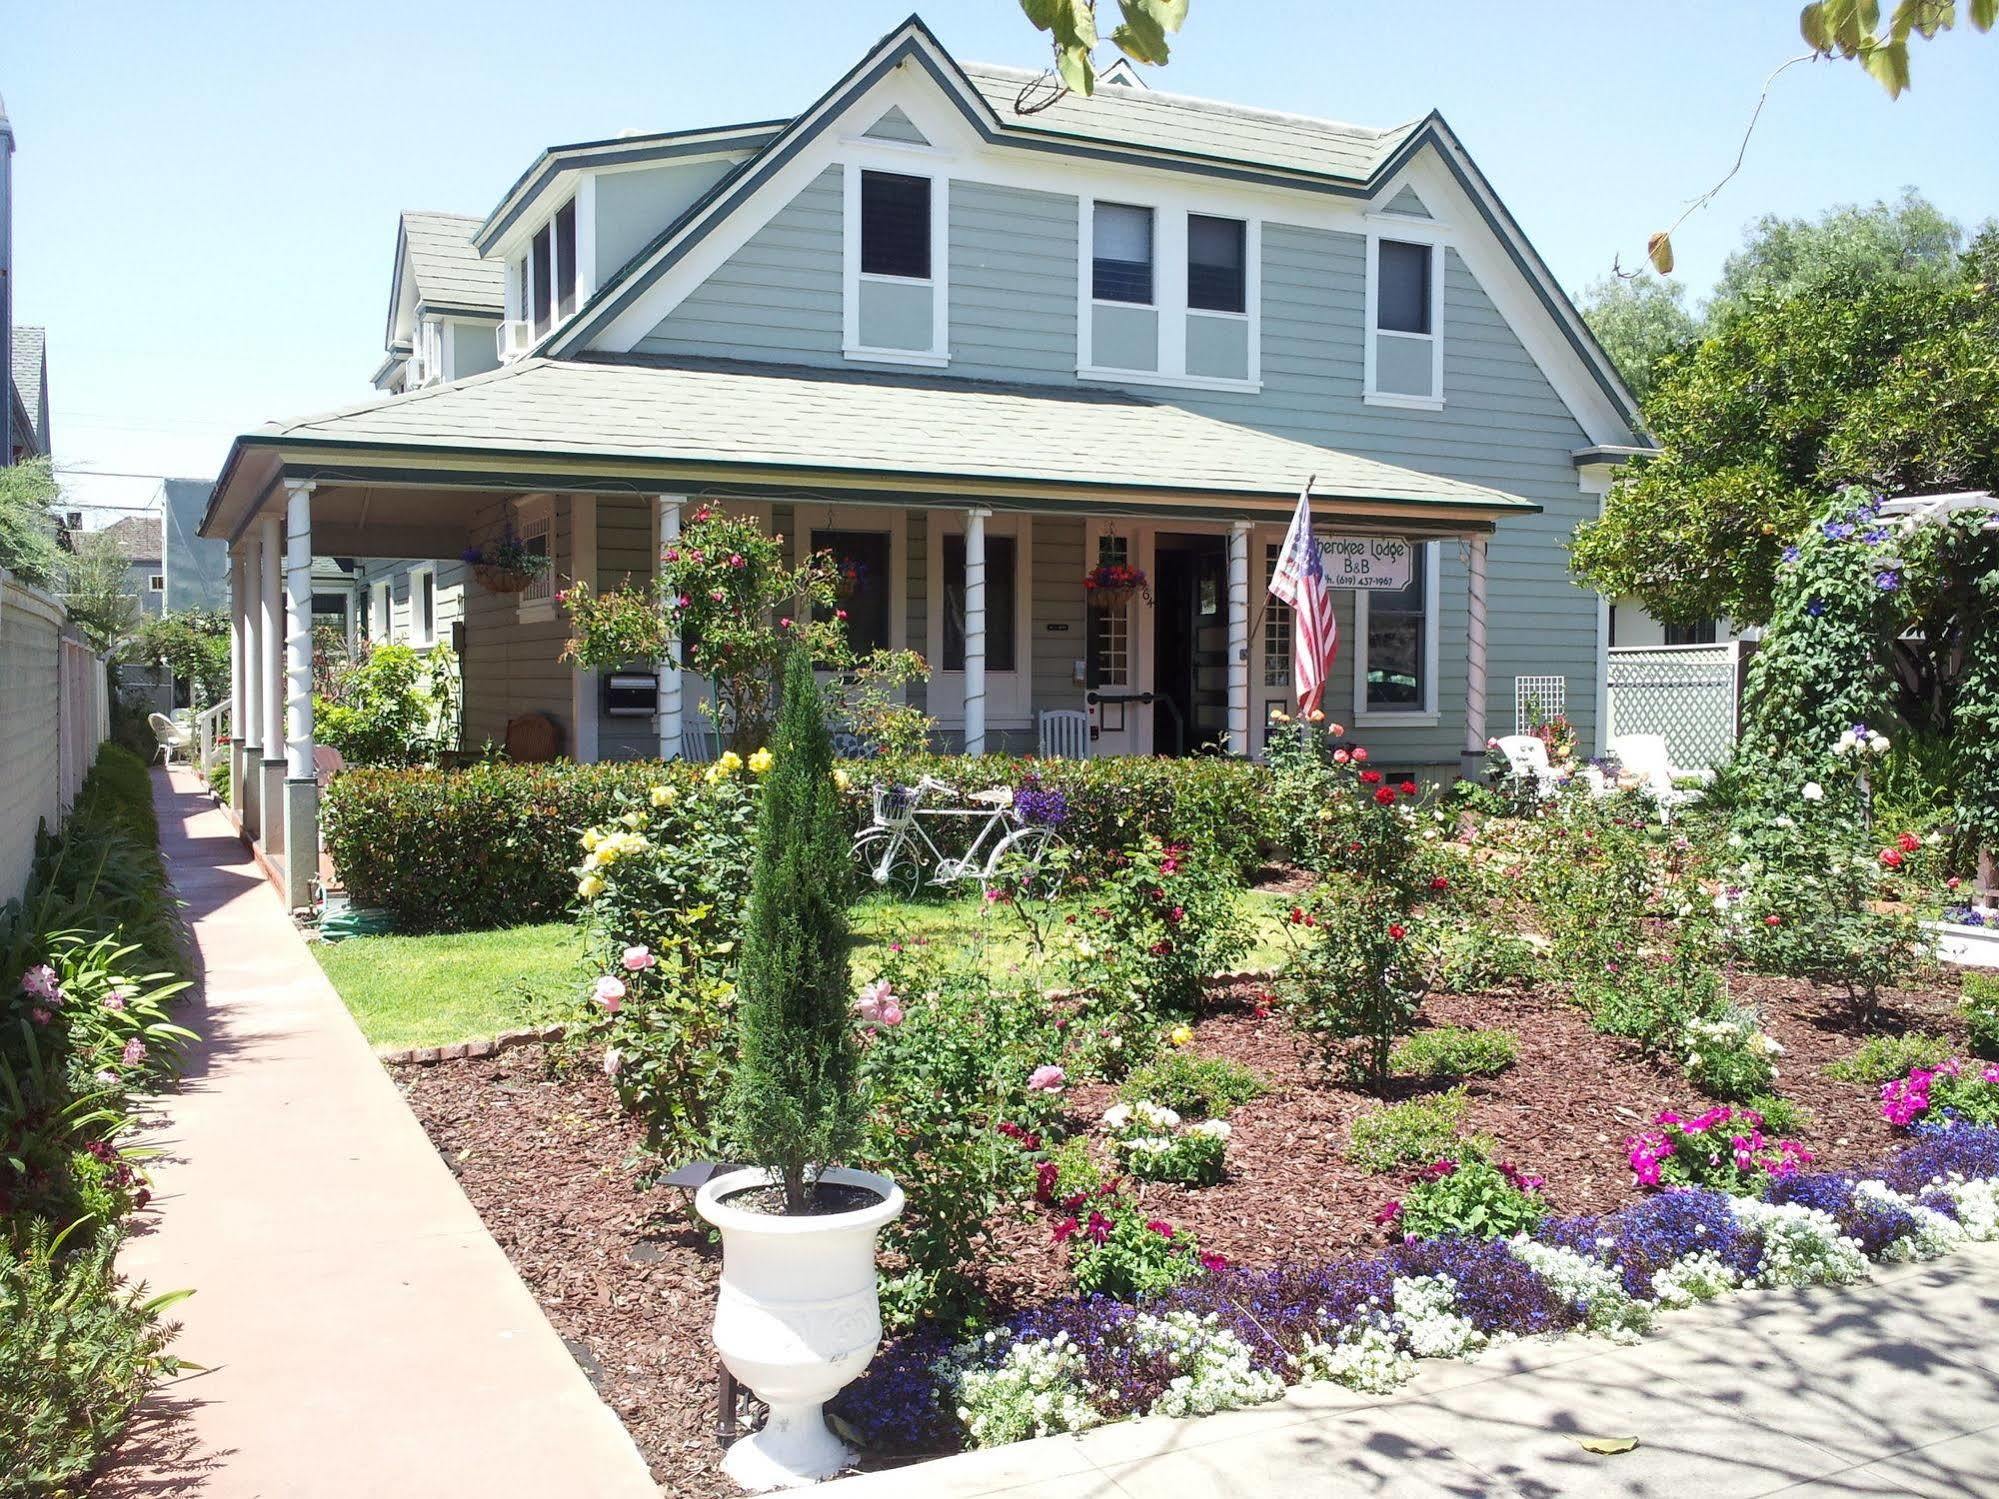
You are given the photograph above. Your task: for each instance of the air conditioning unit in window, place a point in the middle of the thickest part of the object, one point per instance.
(516, 338)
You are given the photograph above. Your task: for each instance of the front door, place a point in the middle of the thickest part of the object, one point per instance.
(1190, 644)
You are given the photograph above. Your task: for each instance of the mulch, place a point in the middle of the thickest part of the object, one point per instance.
(628, 1280)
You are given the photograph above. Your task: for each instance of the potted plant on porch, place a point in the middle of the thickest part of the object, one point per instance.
(507, 564)
(797, 1316)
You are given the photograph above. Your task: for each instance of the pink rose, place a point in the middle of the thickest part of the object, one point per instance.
(1046, 1078)
(610, 993)
(637, 959)
(614, 1061)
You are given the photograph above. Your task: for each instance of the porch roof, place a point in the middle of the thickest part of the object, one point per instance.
(631, 423)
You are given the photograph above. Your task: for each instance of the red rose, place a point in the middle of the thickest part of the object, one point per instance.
(1384, 796)
(1407, 788)
(1908, 843)
(1297, 915)
(1397, 931)
(1892, 857)
(1773, 919)
(1440, 883)
(1370, 777)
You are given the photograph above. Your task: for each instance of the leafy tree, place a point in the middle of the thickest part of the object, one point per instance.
(27, 529)
(1852, 29)
(1072, 27)
(1886, 382)
(794, 1106)
(193, 644)
(1639, 321)
(1786, 257)
(94, 582)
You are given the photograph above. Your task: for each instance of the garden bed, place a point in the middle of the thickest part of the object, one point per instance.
(552, 1163)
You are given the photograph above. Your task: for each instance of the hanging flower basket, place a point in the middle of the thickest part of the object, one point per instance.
(1111, 585)
(496, 578)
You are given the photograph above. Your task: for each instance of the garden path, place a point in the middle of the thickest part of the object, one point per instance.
(1886, 1388)
(362, 1331)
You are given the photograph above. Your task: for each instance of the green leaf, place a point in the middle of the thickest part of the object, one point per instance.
(1043, 12)
(1983, 14)
(1140, 38)
(1607, 1446)
(1076, 69)
(1888, 62)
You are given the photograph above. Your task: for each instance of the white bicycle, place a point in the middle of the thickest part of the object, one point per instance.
(896, 854)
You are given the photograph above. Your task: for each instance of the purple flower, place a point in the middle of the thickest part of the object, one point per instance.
(1875, 536)
(1815, 608)
(1790, 554)
(1837, 530)
(1887, 580)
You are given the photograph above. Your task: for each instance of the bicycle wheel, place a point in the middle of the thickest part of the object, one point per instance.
(886, 862)
(1031, 862)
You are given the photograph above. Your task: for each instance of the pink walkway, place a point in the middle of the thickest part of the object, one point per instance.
(364, 1334)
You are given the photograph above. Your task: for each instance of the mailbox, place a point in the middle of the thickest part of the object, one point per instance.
(631, 694)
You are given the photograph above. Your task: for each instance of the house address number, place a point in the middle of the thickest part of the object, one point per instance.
(1372, 563)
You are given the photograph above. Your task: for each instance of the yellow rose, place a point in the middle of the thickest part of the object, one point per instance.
(633, 820)
(608, 854)
(1181, 1035)
(762, 761)
(730, 763)
(662, 796)
(590, 886)
(591, 838)
(841, 778)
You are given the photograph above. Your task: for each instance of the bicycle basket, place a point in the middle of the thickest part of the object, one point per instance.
(895, 806)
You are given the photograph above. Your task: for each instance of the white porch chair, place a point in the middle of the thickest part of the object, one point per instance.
(1527, 758)
(1065, 734)
(173, 739)
(700, 744)
(1645, 756)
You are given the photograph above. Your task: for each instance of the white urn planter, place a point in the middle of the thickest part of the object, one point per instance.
(797, 1318)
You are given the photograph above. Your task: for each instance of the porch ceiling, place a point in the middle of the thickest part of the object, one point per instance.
(700, 426)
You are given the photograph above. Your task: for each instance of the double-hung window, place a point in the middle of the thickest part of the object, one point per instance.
(1121, 254)
(895, 294)
(1216, 281)
(1404, 344)
(550, 270)
(1396, 668)
(423, 605)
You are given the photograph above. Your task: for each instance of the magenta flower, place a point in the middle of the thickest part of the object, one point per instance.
(39, 982)
(1161, 1227)
(135, 1052)
(1098, 1229)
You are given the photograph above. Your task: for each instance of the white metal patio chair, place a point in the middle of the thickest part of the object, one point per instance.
(1065, 734)
(173, 739)
(700, 744)
(1527, 759)
(1646, 757)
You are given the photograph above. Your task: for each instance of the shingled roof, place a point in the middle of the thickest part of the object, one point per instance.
(137, 537)
(30, 352)
(448, 271)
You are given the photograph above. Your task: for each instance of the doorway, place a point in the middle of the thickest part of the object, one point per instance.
(1190, 644)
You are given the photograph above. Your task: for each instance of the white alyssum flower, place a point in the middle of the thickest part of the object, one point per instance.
(1934, 1234)
(1036, 1390)
(1801, 1246)
(1693, 1278)
(1423, 1309)
(1609, 1310)
(1977, 1204)
(1366, 1358)
(1217, 1372)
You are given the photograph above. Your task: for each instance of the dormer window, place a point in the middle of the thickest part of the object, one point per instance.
(550, 270)
(1121, 255)
(895, 270)
(1405, 355)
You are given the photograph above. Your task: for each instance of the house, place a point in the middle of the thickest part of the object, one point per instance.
(137, 538)
(197, 566)
(975, 348)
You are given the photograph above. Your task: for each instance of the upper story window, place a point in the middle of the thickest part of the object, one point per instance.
(896, 293)
(1217, 280)
(1121, 254)
(895, 225)
(1405, 355)
(549, 272)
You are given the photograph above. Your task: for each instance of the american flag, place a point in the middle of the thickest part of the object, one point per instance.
(1300, 581)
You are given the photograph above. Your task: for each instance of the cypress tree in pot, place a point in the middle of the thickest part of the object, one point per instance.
(797, 1316)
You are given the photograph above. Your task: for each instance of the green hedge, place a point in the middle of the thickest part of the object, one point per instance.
(493, 846)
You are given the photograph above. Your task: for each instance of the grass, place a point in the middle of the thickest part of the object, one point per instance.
(458, 986)
(470, 986)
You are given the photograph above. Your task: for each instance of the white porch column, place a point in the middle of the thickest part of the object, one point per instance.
(975, 630)
(666, 513)
(271, 680)
(301, 780)
(583, 679)
(238, 642)
(1473, 762)
(251, 726)
(1239, 538)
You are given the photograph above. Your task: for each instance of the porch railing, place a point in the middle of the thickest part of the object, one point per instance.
(1690, 694)
(208, 736)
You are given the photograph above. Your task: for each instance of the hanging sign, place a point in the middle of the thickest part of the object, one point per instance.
(1370, 563)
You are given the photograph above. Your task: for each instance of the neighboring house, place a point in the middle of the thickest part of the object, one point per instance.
(913, 324)
(137, 538)
(197, 566)
(404, 601)
(28, 364)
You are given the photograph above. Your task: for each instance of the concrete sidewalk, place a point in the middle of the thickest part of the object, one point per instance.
(363, 1332)
(1885, 1388)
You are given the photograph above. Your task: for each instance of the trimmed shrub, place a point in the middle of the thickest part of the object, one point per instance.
(1413, 1133)
(1195, 1087)
(494, 845)
(1452, 1052)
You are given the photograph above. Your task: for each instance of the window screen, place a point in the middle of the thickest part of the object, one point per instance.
(1402, 288)
(999, 603)
(1215, 256)
(895, 225)
(543, 284)
(565, 259)
(1121, 254)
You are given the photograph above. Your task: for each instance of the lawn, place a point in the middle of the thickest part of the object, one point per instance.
(469, 986)
(460, 986)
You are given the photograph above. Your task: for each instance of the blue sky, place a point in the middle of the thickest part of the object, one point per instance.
(207, 193)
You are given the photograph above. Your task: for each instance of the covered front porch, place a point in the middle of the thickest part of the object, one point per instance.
(967, 516)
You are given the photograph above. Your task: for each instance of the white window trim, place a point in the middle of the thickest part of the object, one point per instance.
(1412, 231)
(1169, 294)
(939, 282)
(1009, 694)
(156, 582)
(381, 611)
(416, 639)
(537, 507)
(1427, 717)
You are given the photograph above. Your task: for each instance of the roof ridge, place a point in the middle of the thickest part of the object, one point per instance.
(1228, 106)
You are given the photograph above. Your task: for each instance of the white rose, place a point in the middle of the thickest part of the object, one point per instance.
(1813, 792)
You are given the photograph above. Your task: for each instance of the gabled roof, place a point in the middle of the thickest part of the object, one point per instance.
(601, 423)
(449, 272)
(1151, 120)
(137, 537)
(29, 353)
